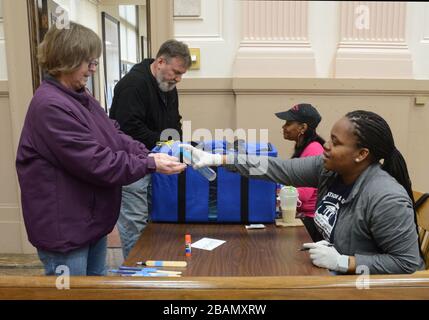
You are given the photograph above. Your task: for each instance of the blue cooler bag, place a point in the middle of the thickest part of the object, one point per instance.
(230, 198)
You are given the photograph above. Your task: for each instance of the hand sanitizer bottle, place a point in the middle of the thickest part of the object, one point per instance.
(206, 172)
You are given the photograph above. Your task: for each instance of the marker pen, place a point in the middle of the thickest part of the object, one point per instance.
(152, 263)
(188, 245)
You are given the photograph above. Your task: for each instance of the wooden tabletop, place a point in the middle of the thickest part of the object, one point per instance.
(273, 251)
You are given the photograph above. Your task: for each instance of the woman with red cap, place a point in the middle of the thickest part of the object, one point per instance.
(300, 126)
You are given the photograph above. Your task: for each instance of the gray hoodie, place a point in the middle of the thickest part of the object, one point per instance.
(375, 224)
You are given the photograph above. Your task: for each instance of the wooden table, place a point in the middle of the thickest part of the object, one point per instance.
(273, 251)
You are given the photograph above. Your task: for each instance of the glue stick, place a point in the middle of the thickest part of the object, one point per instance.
(188, 245)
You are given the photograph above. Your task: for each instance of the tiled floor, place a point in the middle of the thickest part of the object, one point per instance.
(29, 264)
(20, 264)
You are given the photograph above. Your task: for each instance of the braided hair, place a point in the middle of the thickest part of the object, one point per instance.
(373, 133)
(310, 135)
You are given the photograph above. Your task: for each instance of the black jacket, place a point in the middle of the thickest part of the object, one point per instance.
(142, 109)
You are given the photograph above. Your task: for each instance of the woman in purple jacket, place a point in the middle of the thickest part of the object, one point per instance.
(72, 160)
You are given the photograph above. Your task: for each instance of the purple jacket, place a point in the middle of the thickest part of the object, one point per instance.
(71, 162)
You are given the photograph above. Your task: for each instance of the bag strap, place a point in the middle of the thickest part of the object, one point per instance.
(244, 199)
(421, 200)
(213, 199)
(181, 194)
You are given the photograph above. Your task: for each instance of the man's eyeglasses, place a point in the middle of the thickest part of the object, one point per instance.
(92, 63)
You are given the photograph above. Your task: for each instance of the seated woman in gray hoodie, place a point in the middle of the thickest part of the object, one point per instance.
(365, 209)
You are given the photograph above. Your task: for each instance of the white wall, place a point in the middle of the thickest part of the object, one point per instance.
(217, 33)
(323, 24)
(3, 64)
(418, 37)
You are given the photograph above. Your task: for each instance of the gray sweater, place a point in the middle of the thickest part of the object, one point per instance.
(375, 224)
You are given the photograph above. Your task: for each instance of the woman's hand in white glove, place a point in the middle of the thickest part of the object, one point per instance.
(200, 158)
(324, 255)
(312, 245)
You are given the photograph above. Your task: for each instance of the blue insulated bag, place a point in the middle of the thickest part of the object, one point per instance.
(230, 198)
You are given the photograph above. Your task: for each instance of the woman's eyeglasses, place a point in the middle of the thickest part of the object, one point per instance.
(92, 63)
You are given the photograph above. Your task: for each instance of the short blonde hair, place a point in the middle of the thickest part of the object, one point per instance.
(64, 50)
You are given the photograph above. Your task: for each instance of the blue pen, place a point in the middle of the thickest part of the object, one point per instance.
(143, 273)
(153, 274)
(130, 268)
(136, 269)
(122, 271)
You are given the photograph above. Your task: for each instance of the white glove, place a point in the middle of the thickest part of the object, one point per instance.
(324, 255)
(200, 158)
(312, 245)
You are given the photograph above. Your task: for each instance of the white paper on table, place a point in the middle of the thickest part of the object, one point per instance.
(207, 244)
(255, 226)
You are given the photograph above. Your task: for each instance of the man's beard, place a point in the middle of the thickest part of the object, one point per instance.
(165, 86)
